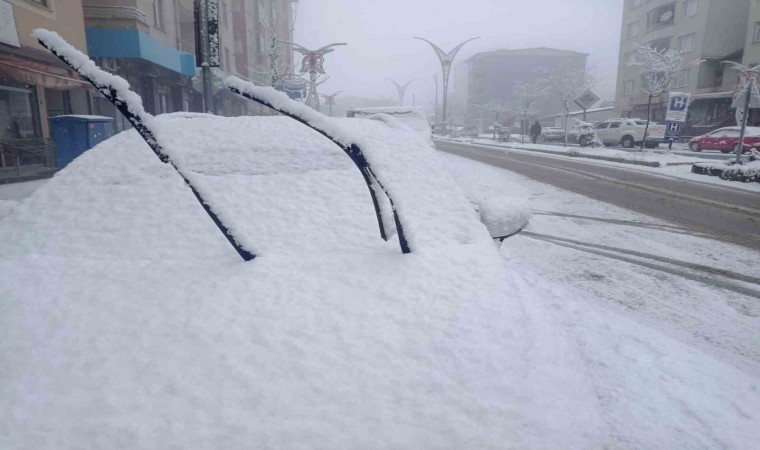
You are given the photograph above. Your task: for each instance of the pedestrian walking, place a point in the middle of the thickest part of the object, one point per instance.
(535, 131)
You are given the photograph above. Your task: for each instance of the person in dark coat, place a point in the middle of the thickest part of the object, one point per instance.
(535, 131)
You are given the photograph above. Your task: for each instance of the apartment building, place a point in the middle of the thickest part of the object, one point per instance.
(493, 75)
(152, 44)
(35, 85)
(709, 30)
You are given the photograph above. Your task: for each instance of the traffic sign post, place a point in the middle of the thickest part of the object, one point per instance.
(678, 108)
(750, 98)
(206, 14)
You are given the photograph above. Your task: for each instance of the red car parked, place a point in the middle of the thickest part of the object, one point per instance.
(726, 140)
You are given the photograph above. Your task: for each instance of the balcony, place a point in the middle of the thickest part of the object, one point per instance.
(125, 17)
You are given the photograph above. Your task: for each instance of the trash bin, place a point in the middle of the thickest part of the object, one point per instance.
(75, 134)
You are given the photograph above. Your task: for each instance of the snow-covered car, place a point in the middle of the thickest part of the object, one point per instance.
(552, 134)
(726, 140)
(630, 132)
(414, 118)
(372, 311)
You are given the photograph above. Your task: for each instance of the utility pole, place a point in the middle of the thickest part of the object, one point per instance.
(446, 60)
(330, 101)
(435, 78)
(207, 45)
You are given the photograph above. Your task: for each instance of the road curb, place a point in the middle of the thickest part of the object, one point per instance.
(577, 155)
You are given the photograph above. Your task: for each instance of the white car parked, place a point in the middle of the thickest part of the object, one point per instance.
(630, 132)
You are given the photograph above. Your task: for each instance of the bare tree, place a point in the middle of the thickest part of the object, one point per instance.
(567, 84)
(526, 94)
(661, 67)
(494, 108)
(279, 68)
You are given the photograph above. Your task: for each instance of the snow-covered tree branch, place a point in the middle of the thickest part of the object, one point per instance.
(661, 67)
(566, 84)
(494, 108)
(526, 94)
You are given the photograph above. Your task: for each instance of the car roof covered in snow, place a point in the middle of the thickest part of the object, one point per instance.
(128, 319)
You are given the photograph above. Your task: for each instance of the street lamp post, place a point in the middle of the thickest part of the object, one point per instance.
(330, 101)
(314, 63)
(446, 60)
(401, 89)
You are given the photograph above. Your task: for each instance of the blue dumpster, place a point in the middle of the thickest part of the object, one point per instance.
(75, 134)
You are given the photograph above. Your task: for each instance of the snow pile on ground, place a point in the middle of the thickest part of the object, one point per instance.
(747, 171)
(673, 361)
(126, 320)
(505, 216)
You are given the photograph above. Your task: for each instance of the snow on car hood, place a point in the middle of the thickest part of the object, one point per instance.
(128, 321)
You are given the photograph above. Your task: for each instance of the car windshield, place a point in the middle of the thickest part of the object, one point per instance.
(379, 224)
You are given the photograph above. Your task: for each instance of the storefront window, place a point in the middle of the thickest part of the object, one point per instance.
(18, 117)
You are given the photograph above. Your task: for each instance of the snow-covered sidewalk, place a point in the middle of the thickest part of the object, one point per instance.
(664, 338)
(674, 166)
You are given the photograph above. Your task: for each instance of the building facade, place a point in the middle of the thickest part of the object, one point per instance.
(713, 31)
(35, 85)
(152, 44)
(493, 76)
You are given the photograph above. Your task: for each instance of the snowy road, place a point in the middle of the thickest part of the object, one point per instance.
(723, 213)
(701, 292)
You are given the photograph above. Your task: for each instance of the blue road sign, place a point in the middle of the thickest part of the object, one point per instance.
(673, 130)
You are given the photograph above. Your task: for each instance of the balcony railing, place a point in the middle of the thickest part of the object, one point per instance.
(115, 12)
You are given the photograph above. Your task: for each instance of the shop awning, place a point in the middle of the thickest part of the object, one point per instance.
(40, 74)
(712, 95)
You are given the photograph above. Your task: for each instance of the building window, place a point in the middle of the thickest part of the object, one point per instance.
(630, 58)
(661, 16)
(635, 4)
(690, 8)
(44, 3)
(756, 35)
(682, 78)
(633, 29)
(158, 13)
(686, 43)
(661, 44)
(628, 87)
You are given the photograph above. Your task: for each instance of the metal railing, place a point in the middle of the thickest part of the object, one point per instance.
(115, 12)
(26, 158)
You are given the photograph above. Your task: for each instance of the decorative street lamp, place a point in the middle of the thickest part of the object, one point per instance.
(330, 101)
(446, 60)
(314, 63)
(401, 88)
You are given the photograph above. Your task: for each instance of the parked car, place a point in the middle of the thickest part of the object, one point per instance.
(580, 128)
(414, 118)
(552, 134)
(726, 140)
(630, 132)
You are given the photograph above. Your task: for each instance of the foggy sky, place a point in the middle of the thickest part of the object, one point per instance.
(379, 34)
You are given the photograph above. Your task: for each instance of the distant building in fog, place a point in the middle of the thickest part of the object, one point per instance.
(493, 75)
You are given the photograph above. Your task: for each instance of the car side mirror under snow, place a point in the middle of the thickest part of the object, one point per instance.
(504, 216)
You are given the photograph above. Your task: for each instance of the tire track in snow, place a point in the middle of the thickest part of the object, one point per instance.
(683, 269)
